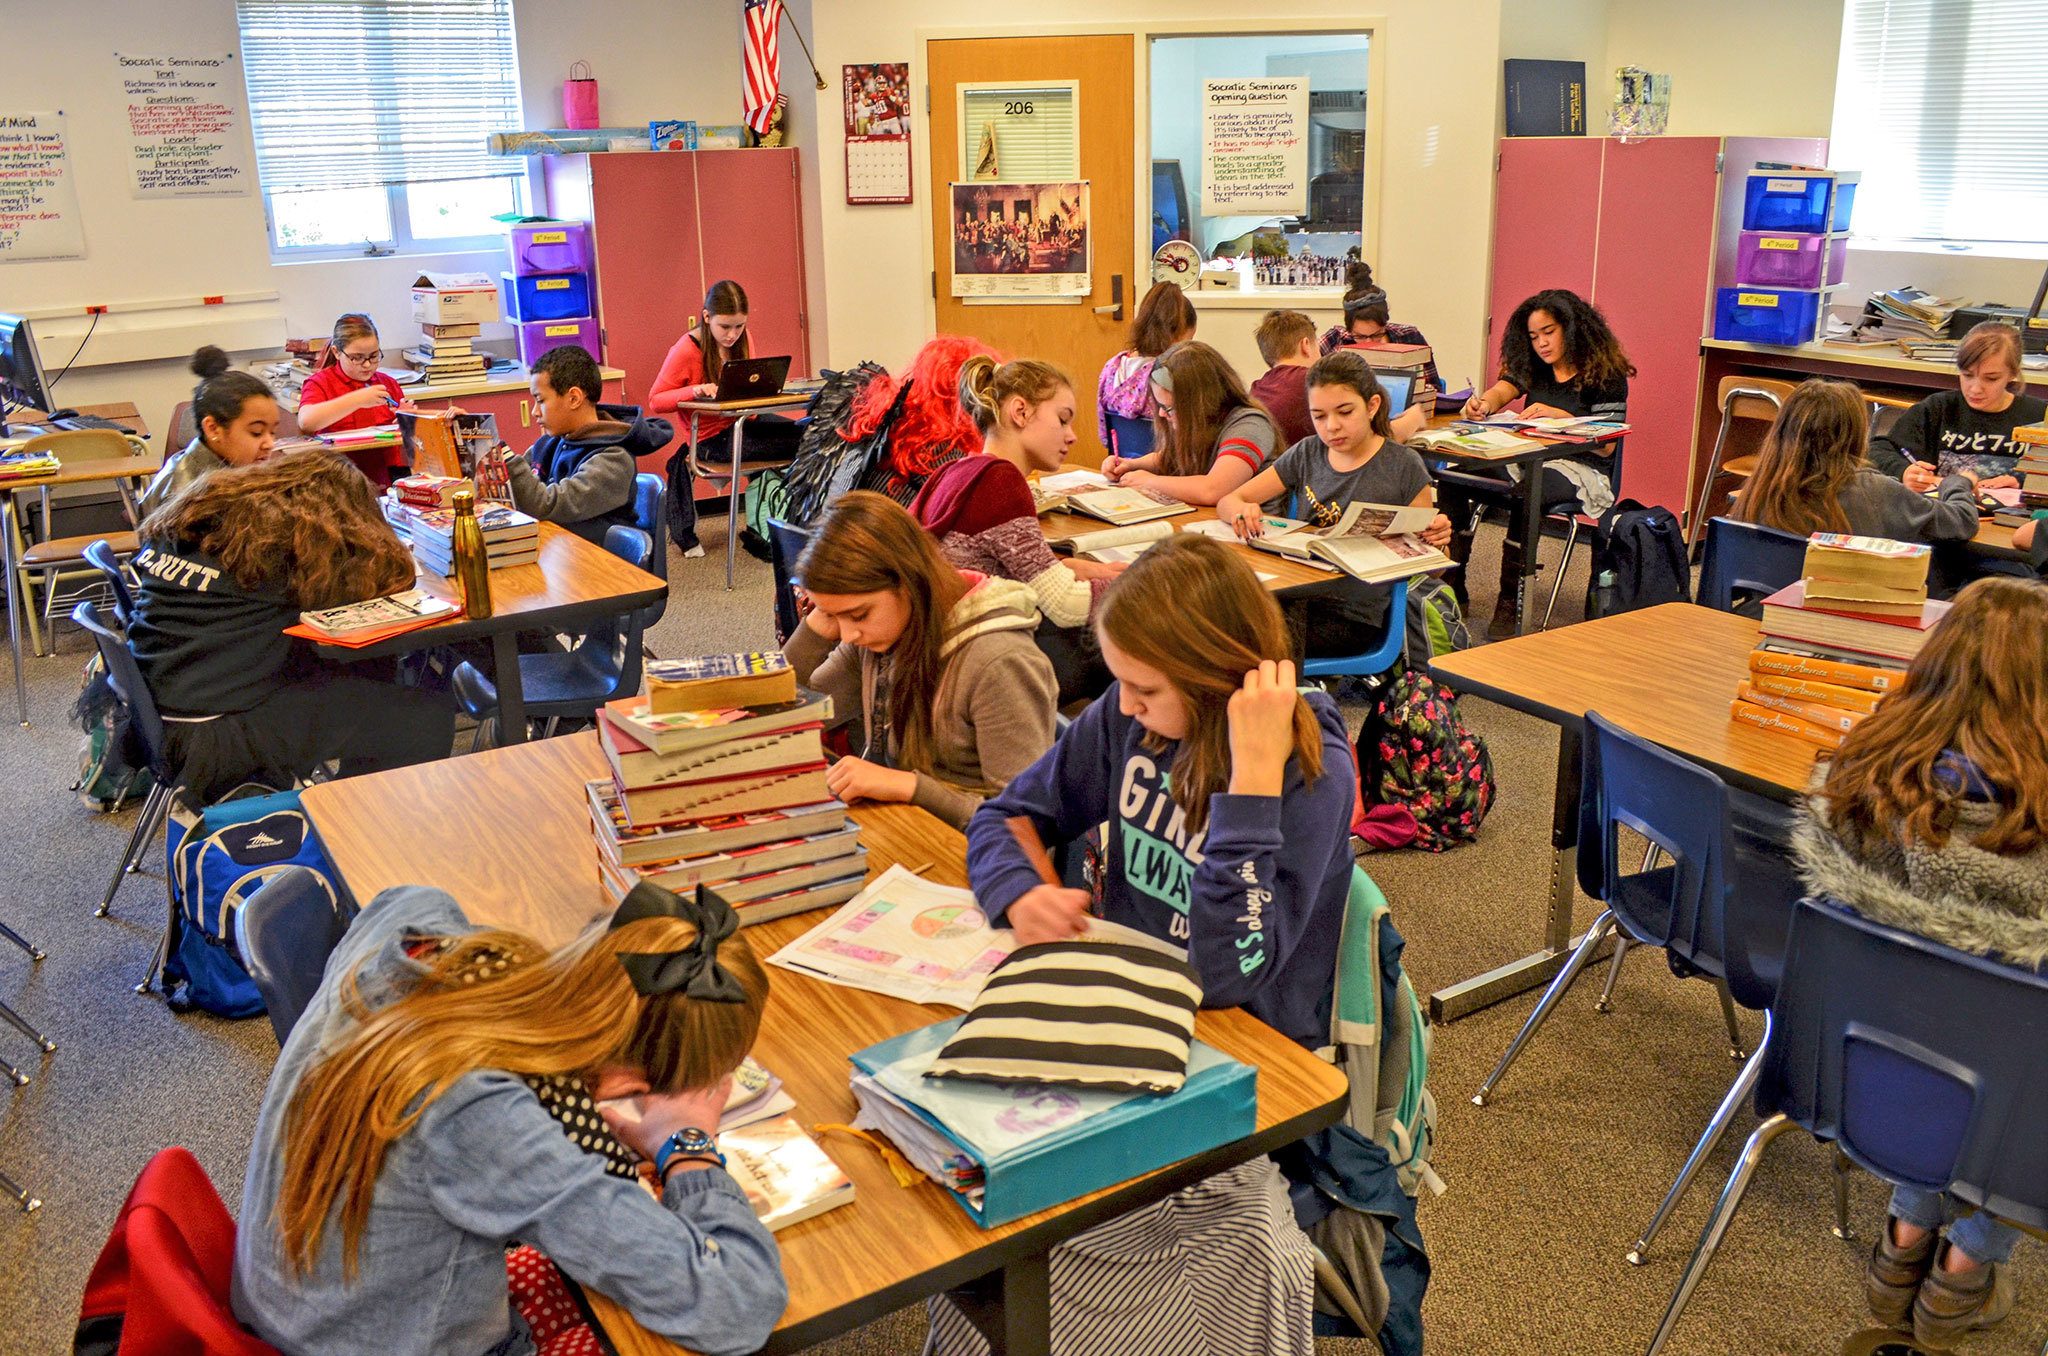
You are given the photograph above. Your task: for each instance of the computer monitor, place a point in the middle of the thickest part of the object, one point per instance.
(21, 370)
(1400, 389)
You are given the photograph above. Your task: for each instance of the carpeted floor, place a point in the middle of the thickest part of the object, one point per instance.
(1547, 1187)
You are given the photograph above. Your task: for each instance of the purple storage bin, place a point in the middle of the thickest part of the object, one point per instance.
(550, 247)
(538, 336)
(1789, 259)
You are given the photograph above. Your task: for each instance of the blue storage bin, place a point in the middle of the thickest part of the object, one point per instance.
(1787, 201)
(545, 296)
(1766, 315)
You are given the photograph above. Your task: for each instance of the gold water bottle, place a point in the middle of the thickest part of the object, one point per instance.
(472, 564)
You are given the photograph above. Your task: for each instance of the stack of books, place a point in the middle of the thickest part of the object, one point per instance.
(510, 537)
(28, 465)
(447, 352)
(1839, 639)
(718, 778)
(1910, 316)
(2032, 469)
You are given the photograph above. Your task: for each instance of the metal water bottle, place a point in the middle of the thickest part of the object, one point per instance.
(472, 563)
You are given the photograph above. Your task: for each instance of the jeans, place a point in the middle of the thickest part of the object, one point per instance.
(1985, 1239)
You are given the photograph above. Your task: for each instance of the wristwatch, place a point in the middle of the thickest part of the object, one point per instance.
(689, 1142)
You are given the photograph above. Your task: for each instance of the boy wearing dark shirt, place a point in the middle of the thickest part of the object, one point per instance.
(579, 472)
(1287, 343)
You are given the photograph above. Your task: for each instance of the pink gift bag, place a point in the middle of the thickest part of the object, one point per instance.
(579, 97)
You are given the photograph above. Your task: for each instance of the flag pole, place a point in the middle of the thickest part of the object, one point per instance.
(799, 34)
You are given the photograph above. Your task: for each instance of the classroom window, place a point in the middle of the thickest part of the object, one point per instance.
(371, 119)
(1941, 106)
(1296, 227)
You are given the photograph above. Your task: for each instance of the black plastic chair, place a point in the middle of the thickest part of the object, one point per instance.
(604, 666)
(650, 515)
(1744, 561)
(1718, 910)
(284, 934)
(1130, 437)
(1568, 518)
(1920, 1063)
(786, 543)
(102, 557)
(125, 675)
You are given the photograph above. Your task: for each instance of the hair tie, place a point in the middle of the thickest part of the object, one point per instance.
(692, 970)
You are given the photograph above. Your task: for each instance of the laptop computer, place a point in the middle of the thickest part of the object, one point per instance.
(752, 378)
(1400, 389)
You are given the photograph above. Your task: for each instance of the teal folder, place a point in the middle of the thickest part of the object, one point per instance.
(1217, 1104)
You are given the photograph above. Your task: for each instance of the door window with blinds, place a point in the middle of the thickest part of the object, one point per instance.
(371, 121)
(1261, 156)
(1020, 133)
(1941, 105)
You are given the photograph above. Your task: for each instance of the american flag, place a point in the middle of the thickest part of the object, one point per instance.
(764, 64)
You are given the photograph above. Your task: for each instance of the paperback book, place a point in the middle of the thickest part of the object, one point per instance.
(1376, 543)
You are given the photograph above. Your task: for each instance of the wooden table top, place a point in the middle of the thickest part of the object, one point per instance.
(1286, 575)
(571, 580)
(781, 400)
(1666, 673)
(1995, 539)
(506, 832)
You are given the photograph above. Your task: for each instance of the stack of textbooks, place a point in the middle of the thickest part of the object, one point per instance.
(2032, 469)
(727, 791)
(28, 465)
(1839, 639)
(448, 353)
(510, 537)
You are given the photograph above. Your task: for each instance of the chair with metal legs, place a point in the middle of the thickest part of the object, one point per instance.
(1756, 399)
(15, 1076)
(126, 678)
(1899, 1052)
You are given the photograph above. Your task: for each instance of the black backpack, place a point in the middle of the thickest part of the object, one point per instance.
(1639, 560)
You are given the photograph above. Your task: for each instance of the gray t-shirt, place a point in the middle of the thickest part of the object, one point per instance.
(1319, 493)
(1248, 435)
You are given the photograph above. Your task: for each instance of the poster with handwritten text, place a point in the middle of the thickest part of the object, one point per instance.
(38, 197)
(187, 126)
(1255, 147)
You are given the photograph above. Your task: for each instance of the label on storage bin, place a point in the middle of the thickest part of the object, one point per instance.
(557, 331)
(1784, 185)
(549, 238)
(551, 285)
(1756, 298)
(1777, 242)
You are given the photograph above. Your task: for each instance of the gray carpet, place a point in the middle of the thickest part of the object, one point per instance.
(1547, 1187)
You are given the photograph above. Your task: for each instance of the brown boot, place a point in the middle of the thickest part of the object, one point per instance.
(1953, 1304)
(1507, 611)
(1892, 1276)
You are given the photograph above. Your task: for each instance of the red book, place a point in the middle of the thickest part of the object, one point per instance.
(1794, 595)
(1787, 614)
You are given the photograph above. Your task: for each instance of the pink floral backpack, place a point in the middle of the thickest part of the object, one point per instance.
(1424, 779)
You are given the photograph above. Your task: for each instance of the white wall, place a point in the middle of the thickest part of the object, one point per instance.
(1562, 30)
(1737, 67)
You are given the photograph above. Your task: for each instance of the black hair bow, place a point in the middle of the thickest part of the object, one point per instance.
(694, 969)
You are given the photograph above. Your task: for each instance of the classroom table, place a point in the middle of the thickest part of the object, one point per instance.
(123, 473)
(572, 586)
(507, 833)
(1666, 673)
(739, 411)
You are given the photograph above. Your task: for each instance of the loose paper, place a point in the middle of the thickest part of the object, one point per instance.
(1255, 147)
(905, 937)
(186, 126)
(38, 197)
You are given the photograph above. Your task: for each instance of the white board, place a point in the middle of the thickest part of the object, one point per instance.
(187, 126)
(38, 196)
(1255, 147)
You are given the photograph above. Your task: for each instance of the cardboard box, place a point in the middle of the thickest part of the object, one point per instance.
(454, 298)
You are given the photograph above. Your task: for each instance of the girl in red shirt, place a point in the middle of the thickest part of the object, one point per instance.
(690, 372)
(348, 392)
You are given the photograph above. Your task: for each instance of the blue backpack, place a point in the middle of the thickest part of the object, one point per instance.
(217, 859)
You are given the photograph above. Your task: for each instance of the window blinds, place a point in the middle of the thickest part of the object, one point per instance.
(1037, 139)
(1942, 106)
(361, 93)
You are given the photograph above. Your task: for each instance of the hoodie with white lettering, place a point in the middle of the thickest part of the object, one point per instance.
(1258, 897)
(207, 646)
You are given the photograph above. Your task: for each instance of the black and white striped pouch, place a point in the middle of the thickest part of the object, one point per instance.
(1083, 1014)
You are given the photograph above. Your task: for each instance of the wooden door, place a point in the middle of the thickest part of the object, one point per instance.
(1069, 334)
(1546, 212)
(751, 226)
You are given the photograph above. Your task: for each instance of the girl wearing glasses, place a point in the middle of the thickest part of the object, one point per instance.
(348, 392)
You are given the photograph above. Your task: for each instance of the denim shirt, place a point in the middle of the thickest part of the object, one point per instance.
(485, 1165)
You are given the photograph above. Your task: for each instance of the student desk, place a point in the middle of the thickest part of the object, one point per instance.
(511, 840)
(739, 411)
(1528, 503)
(122, 472)
(1666, 673)
(573, 585)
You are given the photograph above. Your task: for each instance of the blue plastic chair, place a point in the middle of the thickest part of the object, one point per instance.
(1130, 437)
(786, 543)
(650, 515)
(100, 555)
(1748, 560)
(1375, 661)
(284, 934)
(1913, 1059)
(125, 676)
(604, 666)
(1718, 909)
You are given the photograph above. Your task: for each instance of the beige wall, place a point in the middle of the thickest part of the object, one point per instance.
(1737, 67)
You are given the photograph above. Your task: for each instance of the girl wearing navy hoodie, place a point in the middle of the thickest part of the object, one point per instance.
(1228, 794)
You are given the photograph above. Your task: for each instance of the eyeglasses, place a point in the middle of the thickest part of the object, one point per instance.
(374, 355)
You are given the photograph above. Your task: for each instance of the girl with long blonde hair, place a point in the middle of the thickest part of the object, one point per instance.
(1933, 818)
(1210, 434)
(953, 696)
(403, 1141)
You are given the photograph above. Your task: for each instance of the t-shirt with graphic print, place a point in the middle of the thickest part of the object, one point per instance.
(1258, 896)
(1318, 493)
(1944, 429)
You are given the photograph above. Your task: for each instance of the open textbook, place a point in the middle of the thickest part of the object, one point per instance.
(1090, 493)
(1373, 542)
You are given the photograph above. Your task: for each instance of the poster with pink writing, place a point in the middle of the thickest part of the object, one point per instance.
(38, 198)
(188, 126)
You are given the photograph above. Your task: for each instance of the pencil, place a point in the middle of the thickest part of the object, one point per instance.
(1026, 834)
